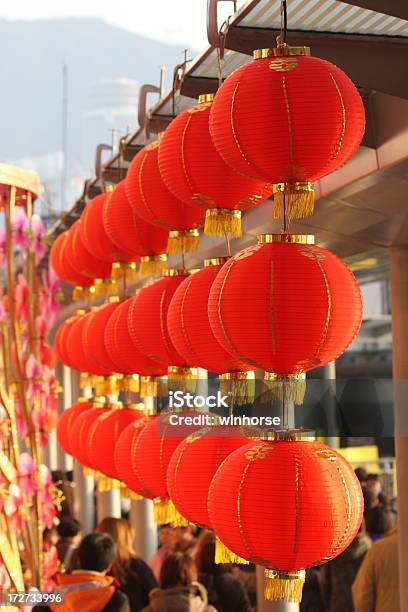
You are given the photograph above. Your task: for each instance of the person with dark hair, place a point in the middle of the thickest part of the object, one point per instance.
(225, 592)
(89, 588)
(337, 576)
(377, 516)
(69, 531)
(361, 474)
(180, 591)
(133, 574)
(168, 537)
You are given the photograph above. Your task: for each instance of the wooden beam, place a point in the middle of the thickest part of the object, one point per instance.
(394, 8)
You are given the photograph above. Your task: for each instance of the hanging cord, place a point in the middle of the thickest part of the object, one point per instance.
(179, 73)
(227, 243)
(281, 39)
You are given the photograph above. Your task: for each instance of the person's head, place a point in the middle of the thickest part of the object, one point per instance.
(167, 537)
(178, 569)
(69, 528)
(50, 538)
(97, 552)
(373, 482)
(57, 476)
(361, 474)
(370, 498)
(123, 534)
(204, 554)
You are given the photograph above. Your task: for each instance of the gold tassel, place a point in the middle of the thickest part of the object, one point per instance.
(284, 585)
(124, 270)
(279, 388)
(186, 241)
(240, 386)
(182, 379)
(225, 555)
(165, 512)
(148, 386)
(152, 266)
(293, 200)
(82, 293)
(105, 286)
(130, 382)
(107, 385)
(87, 472)
(126, 492)
(107, 484)
(222, 221)
(85, 380)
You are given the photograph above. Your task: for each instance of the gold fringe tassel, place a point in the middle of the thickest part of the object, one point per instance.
(222, 221)
(107, 385)
(281, 585)
(105, 286)
(85, 380)
(152, 266)
(87, 472)
(148, 386)
(124, 270)
(293, 200)
(107, 484)
(165, 512)
(280, 389)
(240, 386)
(186, 241)
(82, 293)
(128, 493)
(130, 382)
(225, 555)
(182, 379)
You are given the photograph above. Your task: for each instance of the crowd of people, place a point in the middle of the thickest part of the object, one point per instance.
(101, 572)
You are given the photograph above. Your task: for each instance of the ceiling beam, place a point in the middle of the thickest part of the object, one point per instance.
(394, 8)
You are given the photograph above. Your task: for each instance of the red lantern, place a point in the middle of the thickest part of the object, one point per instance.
(147, 320)
(93, 233)
(74, 344)
(285, 306)
(287, 118)
(81, 258)
(196, 173)
(155, 445)
(192, 468)
(66, 421)
(60, 340)
(125, 451)
(287, 505)
(121, 349)
(153, 202)
(104, 434)
(80, 430)
(61, 265)
(93, 336)
(127, 230)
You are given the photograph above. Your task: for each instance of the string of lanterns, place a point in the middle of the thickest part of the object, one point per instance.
(283, 306)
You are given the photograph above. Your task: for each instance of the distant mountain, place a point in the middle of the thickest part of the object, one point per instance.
(105, 67)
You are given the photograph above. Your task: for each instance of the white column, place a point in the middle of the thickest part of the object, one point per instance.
(141, 517)
(399, 310)
(65, 462)
(329, 374)
(84, 504)
(108, 504)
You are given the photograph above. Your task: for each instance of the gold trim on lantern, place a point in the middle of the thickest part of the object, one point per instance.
(124, 269)
(289, 238)
(284, 585)
(215, 261)
(164, 512)
(222, 221)
(153, 264)
(179, 271)
(293, 200)
(284, 388)
(280, 51)
(208, 97)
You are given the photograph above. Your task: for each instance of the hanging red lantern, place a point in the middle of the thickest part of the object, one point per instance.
(195, 172)
(153, 202)
(80, 429)
(287, 505)
(125, 451)
(191, 334)
(285, 306)
(74, 346)
(82, 259)
(93, 335)
(147, 322)
(66, 421)
(191, 469)
(60, 340)
(104, 434)
(308, 120)
(93, 233)
(121, 349)
(62, 265)
(156, 443)
(130, 232)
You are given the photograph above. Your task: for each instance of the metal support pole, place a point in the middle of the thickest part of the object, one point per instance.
(399, 300)
(329, 374)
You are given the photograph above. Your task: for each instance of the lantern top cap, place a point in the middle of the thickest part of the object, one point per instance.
(80, 312)
(184, 233)
(284, 50)
(113, 299)
(109, 188)
(179, 272)
(148, 258)
(287, 435)
(287, 238)
(208, 97)
(215, 261)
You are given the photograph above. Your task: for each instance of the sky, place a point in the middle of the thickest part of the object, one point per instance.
(173, 21)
